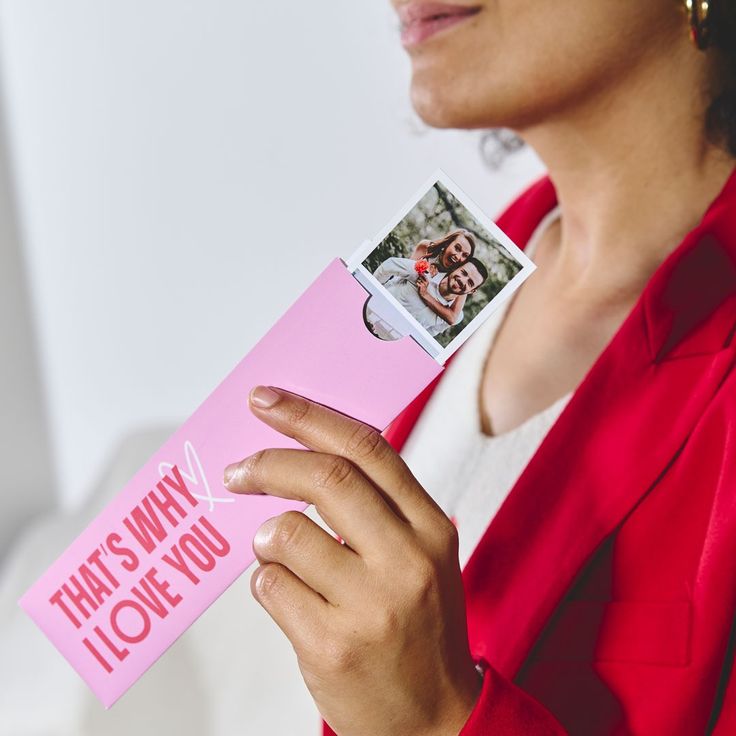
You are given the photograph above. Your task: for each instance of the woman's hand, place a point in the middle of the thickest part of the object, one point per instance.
(377, 623)
(450, 314)
(422, 284)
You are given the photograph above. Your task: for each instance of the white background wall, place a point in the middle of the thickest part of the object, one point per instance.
(182, 170)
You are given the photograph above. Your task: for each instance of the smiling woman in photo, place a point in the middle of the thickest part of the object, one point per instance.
(455, 247)
(584, 444)
(442, 255)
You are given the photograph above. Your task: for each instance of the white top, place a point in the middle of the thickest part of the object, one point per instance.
(399, 276)
(467, 472)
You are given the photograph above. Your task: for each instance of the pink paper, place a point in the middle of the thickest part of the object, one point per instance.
(175, 518)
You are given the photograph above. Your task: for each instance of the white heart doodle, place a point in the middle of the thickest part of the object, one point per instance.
(194, 473)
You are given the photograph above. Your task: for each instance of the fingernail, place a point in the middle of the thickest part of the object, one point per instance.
(227, 476)
(262, 536)
(263, 397)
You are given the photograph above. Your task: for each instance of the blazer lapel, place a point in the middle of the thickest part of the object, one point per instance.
(624, 426)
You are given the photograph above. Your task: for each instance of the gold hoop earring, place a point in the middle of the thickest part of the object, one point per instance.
(698, 15)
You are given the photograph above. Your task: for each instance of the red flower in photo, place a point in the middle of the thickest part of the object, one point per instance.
(421, 266)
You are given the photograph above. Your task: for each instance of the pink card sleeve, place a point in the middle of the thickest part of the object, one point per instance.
(173, 538)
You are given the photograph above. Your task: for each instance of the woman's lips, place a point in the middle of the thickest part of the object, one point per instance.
(421, 20)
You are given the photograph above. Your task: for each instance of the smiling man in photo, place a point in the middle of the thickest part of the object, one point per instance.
(412, 290)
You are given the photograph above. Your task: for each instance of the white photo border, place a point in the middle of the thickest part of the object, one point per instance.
(355, 263)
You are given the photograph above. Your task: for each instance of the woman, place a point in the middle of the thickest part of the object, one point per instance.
(442, 255)
(455, 247)
(600, 599)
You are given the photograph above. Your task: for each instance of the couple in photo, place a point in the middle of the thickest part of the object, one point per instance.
(434, 283)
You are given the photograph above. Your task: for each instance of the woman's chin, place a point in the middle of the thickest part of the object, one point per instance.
(440, 107)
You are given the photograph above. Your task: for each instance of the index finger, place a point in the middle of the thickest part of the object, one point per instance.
(325, 430)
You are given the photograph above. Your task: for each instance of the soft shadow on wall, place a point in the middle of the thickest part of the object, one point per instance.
(26, 466)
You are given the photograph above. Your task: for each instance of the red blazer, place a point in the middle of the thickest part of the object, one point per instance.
(602, 597)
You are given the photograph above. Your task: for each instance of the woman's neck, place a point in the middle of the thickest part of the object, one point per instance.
(633, 171)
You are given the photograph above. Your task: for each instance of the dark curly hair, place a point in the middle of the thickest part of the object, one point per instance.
(721, 115)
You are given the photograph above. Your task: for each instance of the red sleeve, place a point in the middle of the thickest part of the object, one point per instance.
(503, 709)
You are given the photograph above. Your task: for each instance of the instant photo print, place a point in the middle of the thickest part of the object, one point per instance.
(174, 539)
(438, 270)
